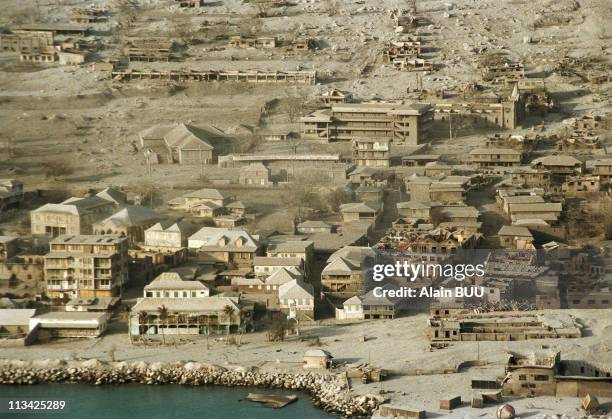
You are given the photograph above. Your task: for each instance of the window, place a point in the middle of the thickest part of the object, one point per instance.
(591, 301)
(522, 377)
(541, 377)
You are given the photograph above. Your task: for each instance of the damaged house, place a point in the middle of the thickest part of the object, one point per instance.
(180, 143)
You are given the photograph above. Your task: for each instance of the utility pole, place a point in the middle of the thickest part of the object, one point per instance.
(450, 125)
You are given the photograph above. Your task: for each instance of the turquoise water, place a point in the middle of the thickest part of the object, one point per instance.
(132, 401)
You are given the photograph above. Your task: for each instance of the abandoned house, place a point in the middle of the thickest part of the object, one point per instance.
(589, 296)
(86, 266)
(543, 373)
(191, 200)
(313, 227)
(503, 73)
(486, 157)
(560, 165)
(415, 160)
(169, 235)
(360, 211)
(254, 174)
(503, 327)
(148, 49)
(296, 299)
(180, 143)
(342, 276)
(190, 316)
(516, 237)
(21, 41)
(73, 216)
(171, 285)
(11, 193)
(334, 96)
(406, 124)
(575, 186)
(414, 210)
(8, 247)
(239, 41)
(372, 152)
(230, 247)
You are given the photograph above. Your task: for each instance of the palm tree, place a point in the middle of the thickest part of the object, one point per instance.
(229, 312)
(127, 315)
(143, 316)
(163, 317)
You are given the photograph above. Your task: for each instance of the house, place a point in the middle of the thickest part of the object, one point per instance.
(559, 165)
(360, 211)
(266, 265)
(414, 210)
(312, 227)
(171, 285)
(334, 96)
(528, 177)
(317, 359)
(130, 222)
(443, 189)
(8, 247)
(168, 235)
(574, 186)
(419, 159)
(98, 304)
(11, 193)
(231, 247)
(434, 169)
(302, 249)
(296, 299)
(70, 324)
(342, 275)
(370, 193)
(546, 211)
(190, 200)
(543, 373)
(254, 174)
(603, 169)
(516, 237)
(189, 316)
(15, 326)
(86, 266)
(237, 208)
(594, 296)
(73, 216)
(180, 143)
(368, 306)
(206, 209)
(487, 157)
(362, 174)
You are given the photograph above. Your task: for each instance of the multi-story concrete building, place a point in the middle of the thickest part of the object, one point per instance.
(168, 235)
(86, 266)
(372, 152)
(400, 123)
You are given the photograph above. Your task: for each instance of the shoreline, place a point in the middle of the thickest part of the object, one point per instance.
(327, 391)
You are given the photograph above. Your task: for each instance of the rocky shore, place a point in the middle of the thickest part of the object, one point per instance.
(328, 391)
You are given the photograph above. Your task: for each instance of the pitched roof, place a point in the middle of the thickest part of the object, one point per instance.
(560, 160)
(186, 305)
(16, 316)
(517, 231)
(112, 195)
(207, 193)
(172, 280)
(296, 289)
(360, 207)
(132, 215)
(282, 276)
(212, 235)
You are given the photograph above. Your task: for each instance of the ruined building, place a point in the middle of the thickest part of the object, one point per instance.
(543, 373)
